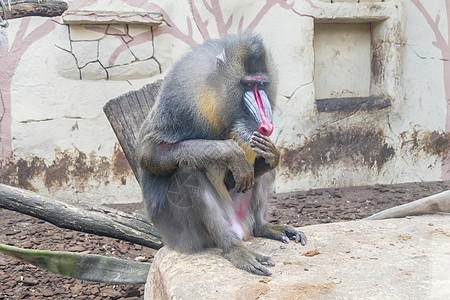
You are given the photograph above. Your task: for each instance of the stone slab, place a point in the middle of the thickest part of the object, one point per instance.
(405, 258)
(111, 17)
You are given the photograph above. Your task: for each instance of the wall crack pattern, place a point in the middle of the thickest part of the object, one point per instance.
(105, 52)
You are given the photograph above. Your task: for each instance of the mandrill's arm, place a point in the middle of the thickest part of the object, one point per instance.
(164, 158)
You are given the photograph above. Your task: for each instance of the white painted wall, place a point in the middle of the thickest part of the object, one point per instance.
(342, 60)
(55, 115)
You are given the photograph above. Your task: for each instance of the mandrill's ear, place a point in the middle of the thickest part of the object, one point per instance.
(221, 59)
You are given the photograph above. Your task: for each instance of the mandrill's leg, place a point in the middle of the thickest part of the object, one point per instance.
(211, 208)
(195, 217)
(262, 228)
(269, 158)
(281, 233)
(248, 260)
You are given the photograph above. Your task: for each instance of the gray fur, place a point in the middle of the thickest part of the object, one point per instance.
(189, 167)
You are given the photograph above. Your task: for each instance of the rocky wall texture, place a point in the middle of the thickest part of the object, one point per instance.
(111, 52)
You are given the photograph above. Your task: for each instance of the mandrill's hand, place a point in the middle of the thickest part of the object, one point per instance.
(263, 146)
(266, 148)
(240, 167)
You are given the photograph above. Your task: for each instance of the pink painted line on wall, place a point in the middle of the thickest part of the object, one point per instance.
(5, 125)
(10, 57)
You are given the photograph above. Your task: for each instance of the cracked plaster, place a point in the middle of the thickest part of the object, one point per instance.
(98, 52)
(94, 70)
(67, 64)
(87, 33)
(107, 48)
(62, 38)
(140, 69)
(116, 30)
(85, 52)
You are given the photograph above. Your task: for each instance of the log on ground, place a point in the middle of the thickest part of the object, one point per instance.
(42, 8)
(97, 220)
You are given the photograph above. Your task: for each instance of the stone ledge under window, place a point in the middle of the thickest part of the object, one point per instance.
(83, 17)
(352, 104)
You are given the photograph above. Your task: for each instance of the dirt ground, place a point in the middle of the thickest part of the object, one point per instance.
(24, 281)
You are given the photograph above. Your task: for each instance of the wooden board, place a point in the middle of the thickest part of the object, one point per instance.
(126, 114)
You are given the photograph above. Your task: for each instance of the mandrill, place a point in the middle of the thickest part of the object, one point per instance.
(207, 163)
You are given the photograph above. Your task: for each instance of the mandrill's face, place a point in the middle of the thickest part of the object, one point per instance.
(255, 123)
(257, 102)
(247, 76)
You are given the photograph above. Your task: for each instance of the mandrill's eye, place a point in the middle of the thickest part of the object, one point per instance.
(251, 81)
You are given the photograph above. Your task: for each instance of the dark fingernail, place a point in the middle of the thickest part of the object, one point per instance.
(303, 242)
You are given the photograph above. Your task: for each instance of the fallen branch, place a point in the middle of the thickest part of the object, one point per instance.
(98, 220)
(41, 8)
(439, 203)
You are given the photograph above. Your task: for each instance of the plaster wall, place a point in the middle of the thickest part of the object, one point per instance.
(55, 79)
(342, 60)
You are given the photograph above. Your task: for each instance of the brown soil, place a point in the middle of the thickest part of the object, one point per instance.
(23, 281)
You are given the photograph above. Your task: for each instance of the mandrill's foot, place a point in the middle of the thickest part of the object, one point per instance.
(282, 233)
(248, 260)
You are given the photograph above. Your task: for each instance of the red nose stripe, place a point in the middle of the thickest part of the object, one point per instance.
(266, 127)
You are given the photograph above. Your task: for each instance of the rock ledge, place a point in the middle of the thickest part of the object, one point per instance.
(387, 259)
